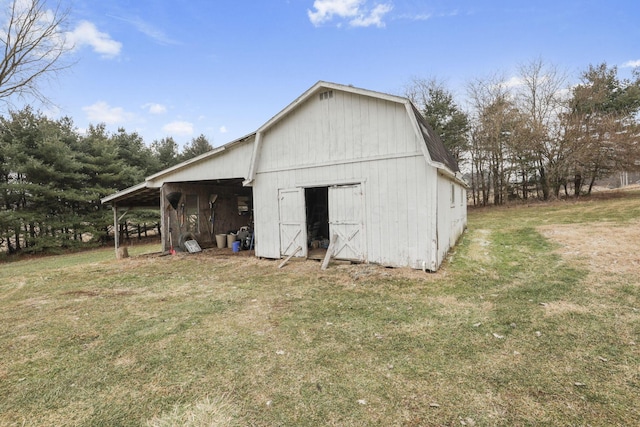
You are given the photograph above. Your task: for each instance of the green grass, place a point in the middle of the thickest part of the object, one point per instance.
(509, 332)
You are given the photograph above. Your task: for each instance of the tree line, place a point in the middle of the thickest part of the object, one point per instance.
(535, 136)
(538, 139)
(532, 137)
(52, 178)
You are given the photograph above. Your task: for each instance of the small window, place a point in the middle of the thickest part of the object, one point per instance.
(326, 95)
(453, 195)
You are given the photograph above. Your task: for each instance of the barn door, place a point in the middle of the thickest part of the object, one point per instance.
(292, 222)
(346, 221)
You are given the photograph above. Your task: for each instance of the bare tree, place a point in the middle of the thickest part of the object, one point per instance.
(33, 38)
(494, 133)
(541, 100)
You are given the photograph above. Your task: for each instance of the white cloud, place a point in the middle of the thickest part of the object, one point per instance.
(154, 108)
(86, 34)
(420, 17)
(355, 12)
(148, 30)
(223, 129)
(326, 9)
(374, 18)
(426, 16)
(178, 128)
(631, 64)
(454, 12)
(513, 82)
(102, 112)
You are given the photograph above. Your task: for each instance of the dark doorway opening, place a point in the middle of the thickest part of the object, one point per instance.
(317, 207)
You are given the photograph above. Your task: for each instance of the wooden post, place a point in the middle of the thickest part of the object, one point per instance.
(329, 254)
(116, 231)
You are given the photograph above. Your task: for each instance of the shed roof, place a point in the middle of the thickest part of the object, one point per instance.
(141, 195)
(147, 193)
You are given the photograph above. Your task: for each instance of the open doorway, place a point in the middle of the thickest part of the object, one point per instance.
(317, 211)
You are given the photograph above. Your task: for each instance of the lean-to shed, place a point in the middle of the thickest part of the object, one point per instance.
(198, 198)
(358, 171)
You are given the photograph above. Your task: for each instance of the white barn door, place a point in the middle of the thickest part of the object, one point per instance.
(346, 209)
(292, 222)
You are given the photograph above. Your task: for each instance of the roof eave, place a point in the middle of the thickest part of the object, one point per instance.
(455, 176)
(127, 191)
(199, 158)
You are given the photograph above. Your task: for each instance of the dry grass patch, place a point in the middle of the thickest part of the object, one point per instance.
(207, 412)
(479, 246)
(557, 308)
(604, 248)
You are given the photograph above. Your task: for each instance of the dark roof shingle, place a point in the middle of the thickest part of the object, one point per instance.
(437, 150)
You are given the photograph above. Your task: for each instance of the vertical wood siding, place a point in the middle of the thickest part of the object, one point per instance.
(353, 139)
(230, 163)
(452, 215)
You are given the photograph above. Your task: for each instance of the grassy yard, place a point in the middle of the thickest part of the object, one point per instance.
(534, 320)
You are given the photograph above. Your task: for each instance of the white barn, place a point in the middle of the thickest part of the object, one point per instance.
(353, 167)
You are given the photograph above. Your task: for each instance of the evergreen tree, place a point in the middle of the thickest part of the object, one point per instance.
(196, 147)
(439, 109)
(42, 192)
(165, 152)
(602, 126)
(134, 153)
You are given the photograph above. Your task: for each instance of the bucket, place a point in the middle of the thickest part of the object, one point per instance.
(236, 246)
(230, 239)
(221, 240)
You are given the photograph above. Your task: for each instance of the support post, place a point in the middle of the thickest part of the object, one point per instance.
(116, 232)
(298, 249)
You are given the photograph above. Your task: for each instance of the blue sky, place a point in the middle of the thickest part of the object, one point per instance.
(222, 68)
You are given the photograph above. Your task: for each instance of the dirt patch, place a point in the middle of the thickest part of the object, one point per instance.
(601, 247)
(100, 293)
(82, 293)
(351, 273)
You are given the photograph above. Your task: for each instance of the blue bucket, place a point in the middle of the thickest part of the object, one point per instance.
(236, 246)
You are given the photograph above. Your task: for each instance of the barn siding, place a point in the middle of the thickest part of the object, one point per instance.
(347, 127)
(397, 207)
(452, 216)
(351, 139)
(233, 162)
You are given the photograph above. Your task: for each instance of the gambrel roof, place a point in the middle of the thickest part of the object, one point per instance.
(437, 150)
(434, 149)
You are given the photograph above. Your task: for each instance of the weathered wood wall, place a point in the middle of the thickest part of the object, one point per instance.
(203, 178)
(226, 216)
